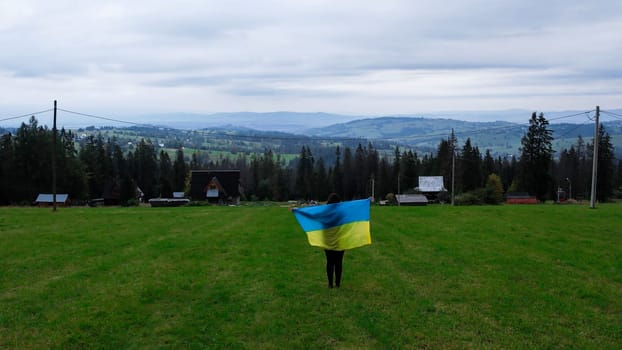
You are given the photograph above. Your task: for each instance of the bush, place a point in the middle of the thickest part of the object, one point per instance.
(470, 198)
(491, 194)
(131, 203)
(494, 190)
(487, 195)
(390, 197)
(443, 197)
(199, 204)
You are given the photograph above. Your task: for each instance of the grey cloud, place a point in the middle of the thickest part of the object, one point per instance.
(272, 48)
(280, 92)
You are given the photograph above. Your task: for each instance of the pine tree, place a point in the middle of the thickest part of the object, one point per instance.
(166, 176)
(7, 172)
(337, 174)
(618, 178)
(605, 171)
(489, 165)
(445, 159)
(146, 169)
(471, 165)
(361, 174)
(321, 180)
(396, 173)
(409, 171)
(383, 183)
(304, 174)
(536, 157)
(349, 186)
(180, 171)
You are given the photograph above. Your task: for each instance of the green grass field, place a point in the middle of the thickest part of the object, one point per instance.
(437, 277)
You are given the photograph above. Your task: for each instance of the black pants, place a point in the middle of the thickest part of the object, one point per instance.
(334, 260)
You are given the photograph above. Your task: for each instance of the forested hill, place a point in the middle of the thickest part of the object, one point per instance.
(418, 133)
(402, 127)
(500, 137)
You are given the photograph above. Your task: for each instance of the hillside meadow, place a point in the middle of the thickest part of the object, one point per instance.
(513, 277)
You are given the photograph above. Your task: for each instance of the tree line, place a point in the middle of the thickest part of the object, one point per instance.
(95, 165)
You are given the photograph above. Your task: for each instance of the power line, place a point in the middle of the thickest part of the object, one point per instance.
(222, 135)
(303, 138)
(100, 117)
(26, 115)
(273, 137)
(571, 130)
(508, 127)
(615, 115)
(573, 115)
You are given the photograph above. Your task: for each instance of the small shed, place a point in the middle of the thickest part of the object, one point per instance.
(412, 199)
(47, 199)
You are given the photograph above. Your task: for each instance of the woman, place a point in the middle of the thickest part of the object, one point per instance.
(334, 258)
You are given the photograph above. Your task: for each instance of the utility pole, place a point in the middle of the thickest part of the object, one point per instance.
(398, 189)
(595, 160)
(54, 161)
(452, 139)
(453, 173)
(373, 197)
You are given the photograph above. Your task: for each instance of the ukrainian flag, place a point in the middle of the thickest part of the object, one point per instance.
(337, 226)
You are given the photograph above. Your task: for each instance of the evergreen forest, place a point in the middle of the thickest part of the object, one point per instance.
(303, 169)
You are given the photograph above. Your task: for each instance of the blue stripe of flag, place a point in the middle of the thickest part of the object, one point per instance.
(332, 215)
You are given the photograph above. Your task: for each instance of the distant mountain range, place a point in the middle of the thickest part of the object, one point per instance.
(302, 123)
(291, 122)
(500, 137)
(495, 132)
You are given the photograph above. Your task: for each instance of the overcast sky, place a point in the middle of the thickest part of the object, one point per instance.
(352, 57)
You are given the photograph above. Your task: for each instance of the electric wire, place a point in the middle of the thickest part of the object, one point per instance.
(569, 131)
(222, 135)
(26, 115)
(615, 115)
(273, 137)
(504, 127)
(100, 117)
(259, 138)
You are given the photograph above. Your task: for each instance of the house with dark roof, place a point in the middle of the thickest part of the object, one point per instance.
(215, 186)
(112, 193)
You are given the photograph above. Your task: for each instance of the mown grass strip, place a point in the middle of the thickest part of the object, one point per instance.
(220, 277)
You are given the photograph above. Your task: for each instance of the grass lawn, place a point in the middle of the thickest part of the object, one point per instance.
(542, 276)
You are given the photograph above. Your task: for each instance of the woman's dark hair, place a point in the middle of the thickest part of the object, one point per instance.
(333, 198)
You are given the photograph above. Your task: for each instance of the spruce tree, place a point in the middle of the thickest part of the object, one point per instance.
(180, 171)
(471, 167)
(605, 172)
(536, 156)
